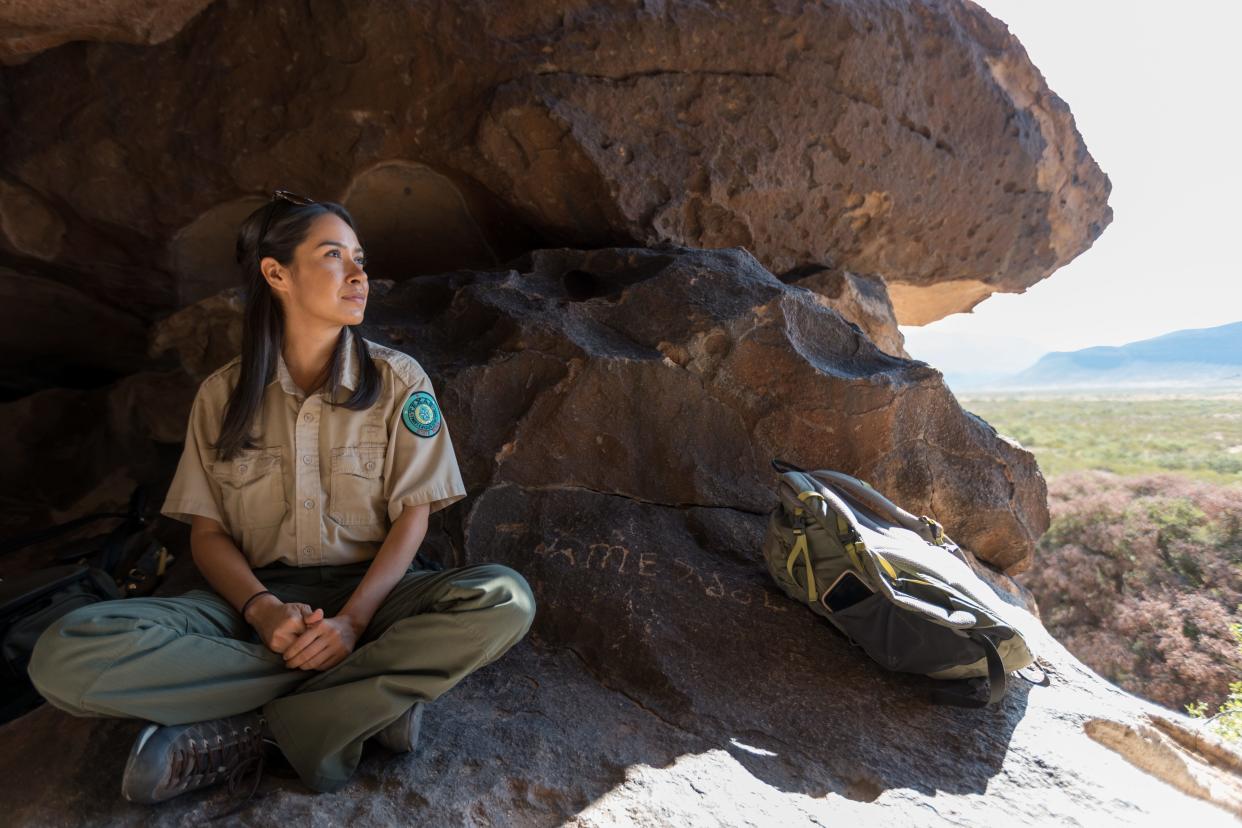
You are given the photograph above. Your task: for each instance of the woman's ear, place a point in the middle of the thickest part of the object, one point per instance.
(276, 276)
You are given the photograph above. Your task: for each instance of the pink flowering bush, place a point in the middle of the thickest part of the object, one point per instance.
(1141, 578)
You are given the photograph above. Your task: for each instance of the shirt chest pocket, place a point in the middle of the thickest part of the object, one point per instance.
(356, 488)
(252, 486)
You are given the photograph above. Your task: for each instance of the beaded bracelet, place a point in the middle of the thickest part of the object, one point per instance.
(252, 597)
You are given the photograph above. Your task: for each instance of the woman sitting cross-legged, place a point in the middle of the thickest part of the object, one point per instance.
(311, 464)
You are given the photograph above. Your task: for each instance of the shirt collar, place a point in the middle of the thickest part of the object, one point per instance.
(349, 367)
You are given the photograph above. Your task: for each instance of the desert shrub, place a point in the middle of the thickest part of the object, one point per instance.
(1227, 721)
(1141, 578)
(1225, 464)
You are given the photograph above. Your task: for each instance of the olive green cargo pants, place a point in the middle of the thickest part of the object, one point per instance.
(192, 657)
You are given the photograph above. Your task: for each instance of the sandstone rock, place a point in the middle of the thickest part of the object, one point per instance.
(28, 224)
(914, 143)
(861, 298)
(203, 336)
(203, 253)
(666, 681)
(675, 376)
(422, 220)
(615, 411)
(28, 28)
(69, 453)
(54, 335)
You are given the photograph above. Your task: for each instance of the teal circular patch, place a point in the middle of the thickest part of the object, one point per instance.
(421, 415)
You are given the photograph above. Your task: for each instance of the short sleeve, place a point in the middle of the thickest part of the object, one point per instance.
(421, 465)
(193, 491)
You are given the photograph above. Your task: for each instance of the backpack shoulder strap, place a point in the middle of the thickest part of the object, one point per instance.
(925, 527)
(863, 494)
(996, 679)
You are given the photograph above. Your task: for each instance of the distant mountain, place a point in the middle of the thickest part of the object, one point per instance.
(1196, 358)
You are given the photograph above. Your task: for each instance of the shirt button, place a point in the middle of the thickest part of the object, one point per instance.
(306, 458)
(307, 418)
(242, 467)
(309, 550)
(370, 464)
(308, 503)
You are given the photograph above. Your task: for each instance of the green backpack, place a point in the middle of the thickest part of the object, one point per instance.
(893, 583)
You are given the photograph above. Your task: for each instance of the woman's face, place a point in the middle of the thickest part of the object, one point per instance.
(326, 271)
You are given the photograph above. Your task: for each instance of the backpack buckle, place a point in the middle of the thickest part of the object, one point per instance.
(937, 531)
(852, 541)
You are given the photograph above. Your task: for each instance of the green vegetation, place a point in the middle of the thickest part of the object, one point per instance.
(1199, 437)
(1140, 572)
(1227, 722)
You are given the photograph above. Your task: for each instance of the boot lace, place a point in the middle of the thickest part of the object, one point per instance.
(235, 756)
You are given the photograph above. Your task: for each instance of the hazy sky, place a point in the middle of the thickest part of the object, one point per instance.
(1154, 90)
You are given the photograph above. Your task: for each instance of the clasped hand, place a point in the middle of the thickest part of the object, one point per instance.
(306, 639)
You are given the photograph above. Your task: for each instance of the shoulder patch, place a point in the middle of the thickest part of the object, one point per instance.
(421, 415)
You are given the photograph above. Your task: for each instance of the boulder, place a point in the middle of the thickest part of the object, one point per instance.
(68, 453)
(28, 28)
(675, 376)
(667, 681)
(917, 143)
(615, 411)
(53, 335)
(862, 298)
(202, 337)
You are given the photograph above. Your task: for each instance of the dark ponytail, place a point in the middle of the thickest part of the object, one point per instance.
(263, 321)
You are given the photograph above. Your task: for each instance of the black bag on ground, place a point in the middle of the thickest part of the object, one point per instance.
(28, 606)
(125, 561)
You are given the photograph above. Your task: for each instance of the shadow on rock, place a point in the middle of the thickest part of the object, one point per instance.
(673, 608)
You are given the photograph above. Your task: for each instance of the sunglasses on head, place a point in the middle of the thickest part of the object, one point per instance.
(277, 197)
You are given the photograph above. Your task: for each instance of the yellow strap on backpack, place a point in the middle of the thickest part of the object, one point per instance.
(804, 496)
(800, 548)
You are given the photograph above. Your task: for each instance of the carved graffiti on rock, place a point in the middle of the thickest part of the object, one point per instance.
(618, 559)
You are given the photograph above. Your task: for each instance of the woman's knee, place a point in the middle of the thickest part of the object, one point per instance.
(75, 649)
(516, 597)
(56, 666)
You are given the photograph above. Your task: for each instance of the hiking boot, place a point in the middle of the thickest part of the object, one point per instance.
(401, 736)
(169, 760)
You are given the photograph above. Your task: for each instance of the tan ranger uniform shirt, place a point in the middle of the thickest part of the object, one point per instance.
(327, 482)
